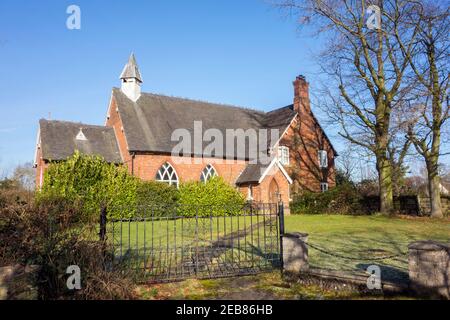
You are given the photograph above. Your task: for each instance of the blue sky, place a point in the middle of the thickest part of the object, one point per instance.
(229, 51)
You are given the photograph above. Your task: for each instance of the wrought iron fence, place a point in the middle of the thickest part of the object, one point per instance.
(175, 243)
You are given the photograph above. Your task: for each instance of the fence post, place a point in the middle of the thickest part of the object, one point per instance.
(281, 221)
(102, 233)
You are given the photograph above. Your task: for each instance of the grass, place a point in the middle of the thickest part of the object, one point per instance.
(366, 238)
(267, 286)
(168, 247)
(363, 237)
(359, 241)
(166, 231)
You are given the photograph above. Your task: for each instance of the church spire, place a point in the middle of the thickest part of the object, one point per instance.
(131, 79)
(131, 70)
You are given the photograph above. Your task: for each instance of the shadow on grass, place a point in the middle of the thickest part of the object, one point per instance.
(388, 273)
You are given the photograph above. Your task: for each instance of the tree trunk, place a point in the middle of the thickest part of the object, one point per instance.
(384, 167)
(385, 184)
(434, 191)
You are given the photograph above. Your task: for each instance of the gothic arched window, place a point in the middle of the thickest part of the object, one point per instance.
(208, 173)
(167, 174)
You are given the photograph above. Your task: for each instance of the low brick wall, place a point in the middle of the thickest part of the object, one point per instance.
(425, 205)
(408, 204)
(429, 269)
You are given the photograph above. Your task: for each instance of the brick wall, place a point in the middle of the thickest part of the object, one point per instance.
(113, 120)
(425, 205)
(305, 138)
(147, 165)
(41, 166)
(188, 169)
(407, 204)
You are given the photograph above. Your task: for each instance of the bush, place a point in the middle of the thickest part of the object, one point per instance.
(90, 182)
(214, 197)
(50, 236)
(12, 193)
(155, 197)
(343, 199)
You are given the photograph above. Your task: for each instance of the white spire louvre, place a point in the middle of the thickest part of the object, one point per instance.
(80, 136)
(131, 79)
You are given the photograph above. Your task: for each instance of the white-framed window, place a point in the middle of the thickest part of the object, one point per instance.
(323, 159)
(283, 155)
(208, 173)
(167, 174)
(323, 187)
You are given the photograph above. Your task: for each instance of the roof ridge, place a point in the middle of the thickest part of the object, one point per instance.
(205, 101)
(75, 123)
(281, 108)
(213, 103)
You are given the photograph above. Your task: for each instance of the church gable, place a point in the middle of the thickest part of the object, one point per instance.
(60, 139)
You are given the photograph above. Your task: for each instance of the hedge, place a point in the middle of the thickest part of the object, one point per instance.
(215, 197)
(343, 199)
(90, 183)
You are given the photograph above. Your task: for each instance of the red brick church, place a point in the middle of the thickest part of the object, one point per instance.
(138, 133)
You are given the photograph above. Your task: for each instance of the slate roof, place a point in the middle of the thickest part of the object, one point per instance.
(252, 173)
(58, 140)
(150, 121)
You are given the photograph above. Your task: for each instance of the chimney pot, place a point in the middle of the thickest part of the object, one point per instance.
(301, 95)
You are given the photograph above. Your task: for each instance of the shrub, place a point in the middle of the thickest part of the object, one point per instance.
(90, 182)
(13, 193)
(214, 197)
(50, 236)
(343, 199)
(154, 198)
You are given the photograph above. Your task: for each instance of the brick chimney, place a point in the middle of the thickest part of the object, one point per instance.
(301, 95)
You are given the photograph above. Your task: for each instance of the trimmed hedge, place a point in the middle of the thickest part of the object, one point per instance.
(155, 198)
(215, 197)
(91, 183)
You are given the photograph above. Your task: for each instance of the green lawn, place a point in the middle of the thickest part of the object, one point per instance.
(359, 241)
(170, 247)
(166, 232)
(365, 237)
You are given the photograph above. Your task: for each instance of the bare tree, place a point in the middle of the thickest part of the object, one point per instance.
(428, 107)
(445, 176)
(346, 162)
(25, 176)
(365, 64)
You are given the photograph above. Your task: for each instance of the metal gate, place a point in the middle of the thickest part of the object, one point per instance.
(170, 244)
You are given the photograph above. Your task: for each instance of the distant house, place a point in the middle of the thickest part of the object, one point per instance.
(138, 133)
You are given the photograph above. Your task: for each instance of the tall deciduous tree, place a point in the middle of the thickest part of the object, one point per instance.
(429, 112)
(25, 175)
(364, 59)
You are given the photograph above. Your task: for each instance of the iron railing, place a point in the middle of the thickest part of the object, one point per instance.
(179, 242)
